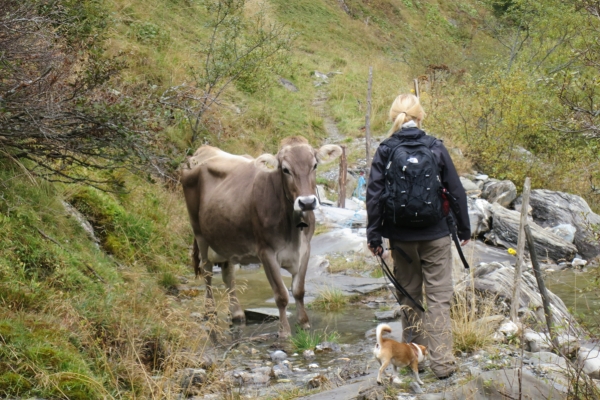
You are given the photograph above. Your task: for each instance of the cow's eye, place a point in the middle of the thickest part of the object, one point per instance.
(286, 171)
(315, 167)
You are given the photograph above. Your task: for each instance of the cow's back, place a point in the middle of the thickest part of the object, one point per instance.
(218, 192)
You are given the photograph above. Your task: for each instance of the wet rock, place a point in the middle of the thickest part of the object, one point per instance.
(536, 341)
(416, 388)
(468, 184)
(192, 379)
(508, 328)
(553, 208)
(288, 85)
(308, 354)
(578, 263)
(83, 222)
(479, 216)
(505, 232)
(338, 241)
(317, 381)
(278, 356)
(501, 192)
(565, 231)
(327, 347)
(567, 344)
(589, 361)
(281, 371)
(386, 315)
(341, 217)
(263, 314)
(313, 366)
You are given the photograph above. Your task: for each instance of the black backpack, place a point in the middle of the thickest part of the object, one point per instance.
(414, 195)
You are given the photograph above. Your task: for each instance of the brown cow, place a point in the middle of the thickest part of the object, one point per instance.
(246, 210)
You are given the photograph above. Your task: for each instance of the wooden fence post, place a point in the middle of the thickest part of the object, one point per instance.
(342, 179)
(540, 281)
(368, 124)
(514, 307)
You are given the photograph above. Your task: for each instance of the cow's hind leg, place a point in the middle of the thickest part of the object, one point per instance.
(273, 272)
(204, 267)
(228, 271)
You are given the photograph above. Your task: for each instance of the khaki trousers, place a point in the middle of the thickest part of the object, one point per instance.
(429, 271)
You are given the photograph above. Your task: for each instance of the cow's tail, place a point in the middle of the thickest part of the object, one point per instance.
(196, 258)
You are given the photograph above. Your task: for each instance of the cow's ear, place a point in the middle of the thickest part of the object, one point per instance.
(267, 162)
(328, 153)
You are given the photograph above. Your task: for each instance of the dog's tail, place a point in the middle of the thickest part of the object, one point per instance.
(380, 329)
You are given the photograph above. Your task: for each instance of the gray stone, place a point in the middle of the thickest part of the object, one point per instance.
(415, 388)
(537, 341)
(308, 354)
(505, 232)
(553, 208)
(281, 371)
(263, 314)
(568, 344)
(278, 356)
(501, 192)
(565, 231)
(479, 216)
(191, 379)
(288, 85)
(468, 184)
(386, 315)
(589, 360)
(327, 347)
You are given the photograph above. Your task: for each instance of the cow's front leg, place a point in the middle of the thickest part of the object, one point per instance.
(228, 271)
(273, 272)
(298, 292)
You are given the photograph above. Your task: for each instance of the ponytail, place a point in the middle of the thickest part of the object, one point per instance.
(406, 107)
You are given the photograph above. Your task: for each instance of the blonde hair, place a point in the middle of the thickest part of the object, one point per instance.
(405, 107)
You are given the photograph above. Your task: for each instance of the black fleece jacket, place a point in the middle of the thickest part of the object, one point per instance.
(376, 228)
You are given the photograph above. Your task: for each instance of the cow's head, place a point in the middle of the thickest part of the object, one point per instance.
(297, 163)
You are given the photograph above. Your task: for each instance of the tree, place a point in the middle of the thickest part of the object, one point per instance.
(57, 119)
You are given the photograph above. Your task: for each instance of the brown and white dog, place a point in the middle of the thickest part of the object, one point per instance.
(401, 355)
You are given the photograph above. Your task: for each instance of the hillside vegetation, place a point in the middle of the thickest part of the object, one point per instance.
(512, 83)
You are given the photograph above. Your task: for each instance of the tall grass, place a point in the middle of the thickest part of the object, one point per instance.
(468, 331)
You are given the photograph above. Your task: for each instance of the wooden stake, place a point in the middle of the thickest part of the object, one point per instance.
(416, 83)
(342, 179)
(368, 124)
(514, 308)
(540, 281)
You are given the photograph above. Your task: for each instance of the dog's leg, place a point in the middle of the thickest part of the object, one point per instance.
(414, 365)
(384, 365)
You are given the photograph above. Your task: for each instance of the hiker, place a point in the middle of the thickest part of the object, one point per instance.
(412, 185)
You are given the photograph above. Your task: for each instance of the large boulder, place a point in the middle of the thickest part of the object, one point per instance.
(505, 232)
(501, 192)
(479, 216)
(553, 208)
(498, 280)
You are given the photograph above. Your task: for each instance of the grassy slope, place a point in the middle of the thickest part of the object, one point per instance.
(66, 333)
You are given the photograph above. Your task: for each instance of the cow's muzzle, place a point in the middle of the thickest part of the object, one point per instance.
(306, 203)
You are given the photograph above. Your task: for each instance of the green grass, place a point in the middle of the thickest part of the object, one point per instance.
(308, 340)
(329, 299)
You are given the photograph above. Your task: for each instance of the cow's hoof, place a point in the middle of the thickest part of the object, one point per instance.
(305, 325)
(284, 334)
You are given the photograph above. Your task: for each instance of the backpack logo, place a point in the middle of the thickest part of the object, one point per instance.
(413, 160)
